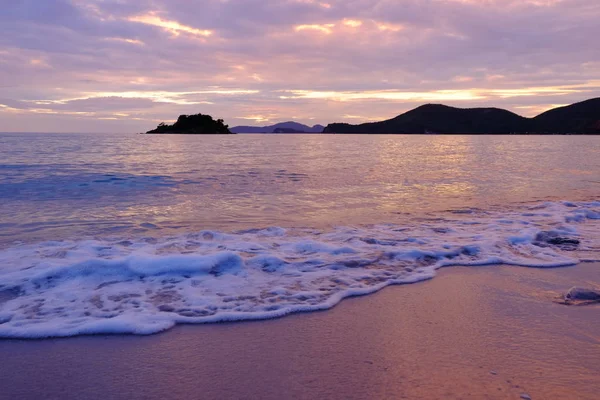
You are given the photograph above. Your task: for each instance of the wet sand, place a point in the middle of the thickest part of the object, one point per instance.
(470, 333)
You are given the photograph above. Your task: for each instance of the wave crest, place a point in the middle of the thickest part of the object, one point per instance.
(145, 286)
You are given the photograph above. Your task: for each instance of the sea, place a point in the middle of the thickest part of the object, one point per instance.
(127, 233)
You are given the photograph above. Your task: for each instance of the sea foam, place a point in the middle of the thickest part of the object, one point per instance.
(144, 286)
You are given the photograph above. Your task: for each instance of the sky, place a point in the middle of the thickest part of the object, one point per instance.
(126, 65)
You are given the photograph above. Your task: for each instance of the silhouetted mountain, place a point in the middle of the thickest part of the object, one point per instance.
(283, 127)
(580, 118)
(437, 118)
(193, 124)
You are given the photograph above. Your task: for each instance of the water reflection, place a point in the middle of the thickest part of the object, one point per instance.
(235, 182)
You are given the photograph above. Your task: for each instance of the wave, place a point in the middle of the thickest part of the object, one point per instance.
(148, 285)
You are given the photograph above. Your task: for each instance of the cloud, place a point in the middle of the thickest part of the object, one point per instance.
(173, 27)
(320, 61)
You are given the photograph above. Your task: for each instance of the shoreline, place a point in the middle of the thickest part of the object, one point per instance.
(475, 332)
(10, 294)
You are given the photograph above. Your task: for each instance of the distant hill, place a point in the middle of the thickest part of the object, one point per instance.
(283, 127)
(198, 124)
(580, 118)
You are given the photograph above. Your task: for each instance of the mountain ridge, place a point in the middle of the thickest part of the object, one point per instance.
(281, 127)
(577, 118)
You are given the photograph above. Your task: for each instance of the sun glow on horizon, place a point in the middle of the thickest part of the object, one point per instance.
(433, 95)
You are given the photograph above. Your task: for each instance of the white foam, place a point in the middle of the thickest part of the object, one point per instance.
(142, 287)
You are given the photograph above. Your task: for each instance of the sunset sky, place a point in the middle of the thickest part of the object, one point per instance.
(125, 65)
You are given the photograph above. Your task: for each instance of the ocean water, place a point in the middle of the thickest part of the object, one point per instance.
(134, 233)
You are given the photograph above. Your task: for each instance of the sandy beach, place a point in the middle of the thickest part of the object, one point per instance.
(470, 333)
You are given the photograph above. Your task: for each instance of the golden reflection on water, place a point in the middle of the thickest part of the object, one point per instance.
(239, 181)
(344, 179)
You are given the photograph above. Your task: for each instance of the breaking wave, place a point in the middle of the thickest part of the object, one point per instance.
(147, 285)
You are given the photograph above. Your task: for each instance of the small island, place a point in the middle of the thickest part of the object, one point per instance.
(197, 124)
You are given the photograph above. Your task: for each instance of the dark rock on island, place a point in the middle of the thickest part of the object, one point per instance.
(579, 118)
(194, 124)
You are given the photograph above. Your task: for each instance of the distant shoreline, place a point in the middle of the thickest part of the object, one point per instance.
(576, 119)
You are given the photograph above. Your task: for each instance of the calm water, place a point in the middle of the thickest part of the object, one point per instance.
(135, 233)
(72, 185)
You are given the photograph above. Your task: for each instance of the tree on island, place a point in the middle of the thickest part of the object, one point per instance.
(194, 124)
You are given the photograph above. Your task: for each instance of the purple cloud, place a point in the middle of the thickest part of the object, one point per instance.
(123, 65)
